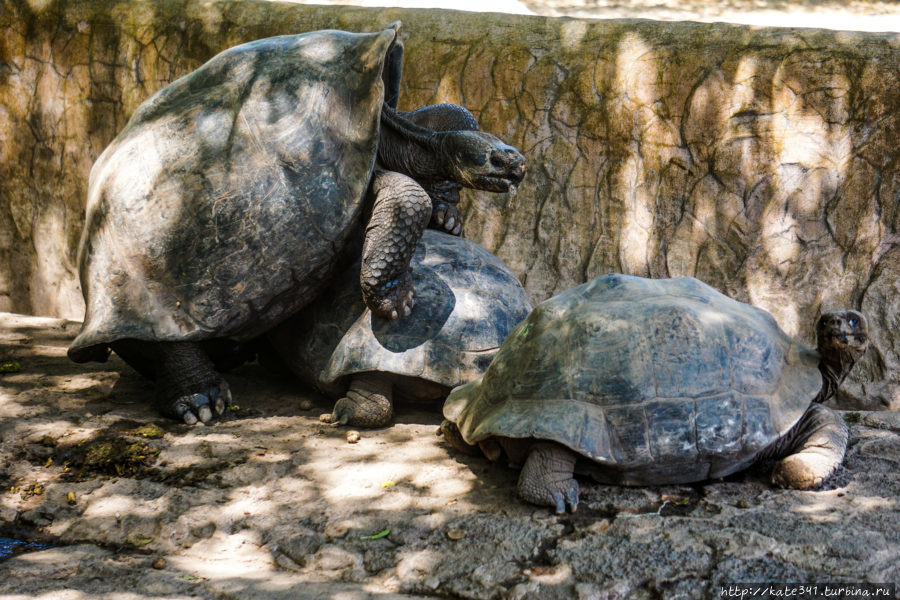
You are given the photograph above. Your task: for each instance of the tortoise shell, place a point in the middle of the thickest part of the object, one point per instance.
(223, 205)
(654, 380)
(467, 301)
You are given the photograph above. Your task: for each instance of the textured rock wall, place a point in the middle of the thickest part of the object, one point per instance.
(759, 160)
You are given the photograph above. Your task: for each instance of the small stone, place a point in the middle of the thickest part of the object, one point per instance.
(159, 563)
(456, 534)
(743, 504)
(70, 499)
(432, 583)
(306, 405)
(352, 436)
(325, 417)
(599, 527)
(335, 530)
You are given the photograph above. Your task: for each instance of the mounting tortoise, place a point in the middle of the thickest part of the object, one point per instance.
(646, 382)
(235, 193)
(467, 301)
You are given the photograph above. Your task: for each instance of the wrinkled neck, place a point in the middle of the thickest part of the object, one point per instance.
(834, 370)
(408, 148)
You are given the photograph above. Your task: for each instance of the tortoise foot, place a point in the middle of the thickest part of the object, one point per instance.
(446, 217)
(200, 406)
(817, 446)
(560, 495)
(547, 478)
(367, 404)
(802, 472)
(392, 300)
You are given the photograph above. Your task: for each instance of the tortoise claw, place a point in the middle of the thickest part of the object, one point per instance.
(199, 406)
(560, 503)
(393, 300)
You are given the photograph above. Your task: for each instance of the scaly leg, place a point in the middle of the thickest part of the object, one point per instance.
(399, 215)
(188, 388)
(547, 478)
(366, 404)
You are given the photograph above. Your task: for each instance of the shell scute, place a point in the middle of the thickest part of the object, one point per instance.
(671, 427)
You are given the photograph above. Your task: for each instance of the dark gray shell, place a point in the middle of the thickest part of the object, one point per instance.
(467, 301)
(221, 206)
(658, 380)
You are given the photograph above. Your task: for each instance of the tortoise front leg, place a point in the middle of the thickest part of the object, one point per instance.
(399, 215)
(547, 478)
(816, 447)
(368, 402)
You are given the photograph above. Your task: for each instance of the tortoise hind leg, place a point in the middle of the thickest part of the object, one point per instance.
(187, 386)
(366, 404)
(547, 477)
(815, 448)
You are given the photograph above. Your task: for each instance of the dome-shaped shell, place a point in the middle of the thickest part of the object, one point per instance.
(644, 375)
(220, 207)
(467, 301)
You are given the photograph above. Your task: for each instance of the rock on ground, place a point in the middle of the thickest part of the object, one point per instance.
(270, 503)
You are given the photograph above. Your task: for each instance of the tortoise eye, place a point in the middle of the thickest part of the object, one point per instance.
(853, 321)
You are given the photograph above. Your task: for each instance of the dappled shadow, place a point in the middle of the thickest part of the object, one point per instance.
(271, 502)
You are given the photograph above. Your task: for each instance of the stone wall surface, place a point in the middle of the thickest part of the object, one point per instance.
(759, 160)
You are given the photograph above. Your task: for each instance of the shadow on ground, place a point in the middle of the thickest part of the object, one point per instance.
(271, 503)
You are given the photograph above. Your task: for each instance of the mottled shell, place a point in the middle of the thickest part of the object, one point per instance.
(220, 207)
(658, 380)
(467, 301)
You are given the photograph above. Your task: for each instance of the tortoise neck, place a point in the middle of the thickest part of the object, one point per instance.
(834, 366)
(408, 148)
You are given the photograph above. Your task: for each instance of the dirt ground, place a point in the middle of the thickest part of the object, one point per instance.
(271, 503)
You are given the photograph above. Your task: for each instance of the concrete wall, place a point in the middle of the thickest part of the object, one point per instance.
(759, 160)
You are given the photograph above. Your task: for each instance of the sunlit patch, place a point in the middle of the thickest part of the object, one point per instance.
(638, 219)
(416, 564)
(572, 34)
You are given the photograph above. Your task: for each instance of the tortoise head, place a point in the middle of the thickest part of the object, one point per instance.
(481, 161)
(842, 335)
(418, 146)
(841, 339)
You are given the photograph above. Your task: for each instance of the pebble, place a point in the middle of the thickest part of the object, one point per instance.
(306, 404)
(352, 436)
(456, 534)
(159, 563)
(336, 530)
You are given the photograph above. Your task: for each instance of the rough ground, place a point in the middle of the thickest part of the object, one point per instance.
(270, 503)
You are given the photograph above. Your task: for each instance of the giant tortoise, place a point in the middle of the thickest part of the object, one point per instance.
(235, 193)
(467, 301)
(656, 382)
